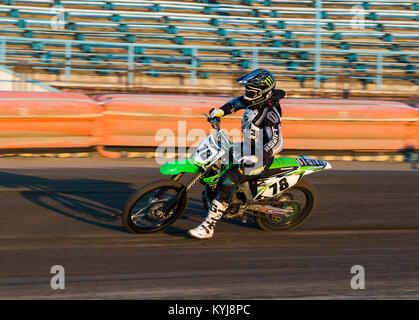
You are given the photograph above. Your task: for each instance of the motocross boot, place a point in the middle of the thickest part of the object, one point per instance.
(206, 229)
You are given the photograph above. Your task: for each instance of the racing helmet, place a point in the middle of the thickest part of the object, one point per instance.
(259, 85)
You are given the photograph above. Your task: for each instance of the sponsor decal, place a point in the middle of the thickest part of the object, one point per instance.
(274, 140)
(271, 115)
(228, 181)
(272, 211)
(305, 161)
(269, 81)
(288, 168)
(256, 171)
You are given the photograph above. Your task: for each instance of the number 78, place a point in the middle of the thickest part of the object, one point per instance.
(283, 184)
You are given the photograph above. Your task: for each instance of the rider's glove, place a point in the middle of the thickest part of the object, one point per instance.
(248, 161)
(216, 113)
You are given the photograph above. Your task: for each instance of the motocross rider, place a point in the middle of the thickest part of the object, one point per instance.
(262, 140)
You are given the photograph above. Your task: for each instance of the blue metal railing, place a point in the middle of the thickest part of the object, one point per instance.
(325, 60)
(127, 62)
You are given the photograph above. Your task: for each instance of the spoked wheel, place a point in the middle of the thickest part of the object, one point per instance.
(297, 203)
(154, 207)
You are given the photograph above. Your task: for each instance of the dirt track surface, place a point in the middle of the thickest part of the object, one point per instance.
(68, 213)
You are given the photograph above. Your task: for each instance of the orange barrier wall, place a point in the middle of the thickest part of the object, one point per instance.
(46, 120)
(307, 124)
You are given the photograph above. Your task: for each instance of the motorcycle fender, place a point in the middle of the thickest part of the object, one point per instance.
(178, 166)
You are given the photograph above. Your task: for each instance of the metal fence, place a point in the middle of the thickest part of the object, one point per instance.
(319, 63)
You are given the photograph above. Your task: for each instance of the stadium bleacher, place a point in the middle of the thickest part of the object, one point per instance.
(210, 42)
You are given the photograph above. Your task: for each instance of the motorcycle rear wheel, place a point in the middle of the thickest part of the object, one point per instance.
(142, 212)
(268, 223)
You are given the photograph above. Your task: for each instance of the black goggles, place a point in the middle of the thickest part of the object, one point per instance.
(252, 93)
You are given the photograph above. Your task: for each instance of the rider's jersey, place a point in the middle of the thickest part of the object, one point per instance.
(261, 127)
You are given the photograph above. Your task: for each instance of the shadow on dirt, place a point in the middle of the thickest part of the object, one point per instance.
(93, 201)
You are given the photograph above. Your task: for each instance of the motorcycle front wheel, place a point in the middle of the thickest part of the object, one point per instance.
(146, 210)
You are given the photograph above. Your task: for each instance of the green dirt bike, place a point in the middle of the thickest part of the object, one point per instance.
(279, 202)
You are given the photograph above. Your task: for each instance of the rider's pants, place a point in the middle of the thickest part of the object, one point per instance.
(230, 181)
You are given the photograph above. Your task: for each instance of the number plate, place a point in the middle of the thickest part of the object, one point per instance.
(275, 185)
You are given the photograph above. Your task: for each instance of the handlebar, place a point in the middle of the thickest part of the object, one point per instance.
(215, 122)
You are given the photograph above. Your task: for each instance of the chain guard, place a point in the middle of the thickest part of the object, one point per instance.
(275, 213)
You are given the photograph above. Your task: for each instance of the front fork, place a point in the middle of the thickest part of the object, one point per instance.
(170, 205)
(191, 183)
(176, 177)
